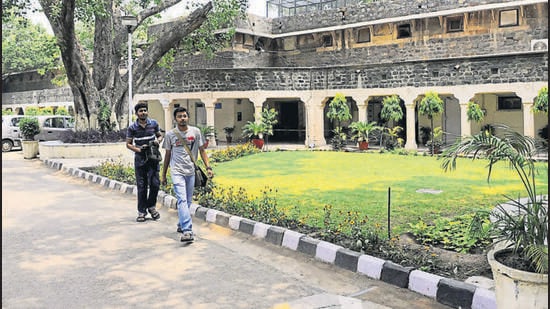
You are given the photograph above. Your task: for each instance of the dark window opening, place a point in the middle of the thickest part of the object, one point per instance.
(327, 40)
(384, 76)
(363, 35)
(455, 24)
(508, 18)
(404, 31)
(435, 74)
(239, 116)
(509, 103)
(239, 38)
(494, 70)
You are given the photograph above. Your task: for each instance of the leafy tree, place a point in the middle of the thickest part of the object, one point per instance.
(338, 110)
(269, 118)
(391, 110)
(541, 101)
(27, 46)
(431, 105)
(106, 83)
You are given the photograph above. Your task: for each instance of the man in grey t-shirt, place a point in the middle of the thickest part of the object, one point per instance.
(182, 168)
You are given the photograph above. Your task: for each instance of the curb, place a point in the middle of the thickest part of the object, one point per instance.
(449, 292)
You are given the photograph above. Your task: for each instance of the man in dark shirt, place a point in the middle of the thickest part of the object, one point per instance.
(139, 135)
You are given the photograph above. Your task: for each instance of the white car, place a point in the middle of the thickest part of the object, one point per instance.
(11, 137)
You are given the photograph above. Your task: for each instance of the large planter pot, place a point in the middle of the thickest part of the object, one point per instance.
(363, 145)
(516, 288)
(30, 149)
(258, 142)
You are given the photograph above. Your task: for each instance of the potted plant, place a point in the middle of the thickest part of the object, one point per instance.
(360, 131)
(229, 133)
(29, 127)
(208, 132)
(254, 131)
(519, 257)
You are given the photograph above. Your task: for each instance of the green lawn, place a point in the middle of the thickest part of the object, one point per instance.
(306, 181)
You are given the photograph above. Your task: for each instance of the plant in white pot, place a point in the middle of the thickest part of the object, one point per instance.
(29, 127)
(519, 256)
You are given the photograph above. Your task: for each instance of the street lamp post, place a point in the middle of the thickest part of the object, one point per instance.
(130, 22)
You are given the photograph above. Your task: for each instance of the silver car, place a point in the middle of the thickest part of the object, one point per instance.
(53, 127)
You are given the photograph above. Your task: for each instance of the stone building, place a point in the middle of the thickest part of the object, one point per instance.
(494, 53)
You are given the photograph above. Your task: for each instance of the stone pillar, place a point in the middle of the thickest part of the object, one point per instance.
(411, 134)
(168, 117)
(465, 124)
(314, 106)
(258, 105)
(209, 104)
(528, 119)
(362, 110)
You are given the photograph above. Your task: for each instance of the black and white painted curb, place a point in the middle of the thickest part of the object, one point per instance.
(450, 292)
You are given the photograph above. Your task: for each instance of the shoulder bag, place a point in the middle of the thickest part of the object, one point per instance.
(200, 176)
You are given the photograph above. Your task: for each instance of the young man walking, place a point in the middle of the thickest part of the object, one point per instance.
(180, 143)
(138, 137)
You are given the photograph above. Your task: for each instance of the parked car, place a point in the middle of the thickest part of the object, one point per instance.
(52, 127)
(11, 137)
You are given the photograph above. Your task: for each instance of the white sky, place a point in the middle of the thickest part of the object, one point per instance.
(256, 7)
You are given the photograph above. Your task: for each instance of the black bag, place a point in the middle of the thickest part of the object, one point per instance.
(153, 152)
(200, 177)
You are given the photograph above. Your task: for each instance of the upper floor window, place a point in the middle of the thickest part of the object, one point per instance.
(404, 31)
(508, 18)
(509, 103)
(455, 23)
(327, 40)
(363, 35)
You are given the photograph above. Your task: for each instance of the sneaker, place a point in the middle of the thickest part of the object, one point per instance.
(154, 213)
(179, 230)
(140, 217)
(187, 236)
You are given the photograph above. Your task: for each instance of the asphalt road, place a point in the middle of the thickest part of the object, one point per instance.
(67, 243)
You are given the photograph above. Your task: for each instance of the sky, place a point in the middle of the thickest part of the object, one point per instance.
(256, 7)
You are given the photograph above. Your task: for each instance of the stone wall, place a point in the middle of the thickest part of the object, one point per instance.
(527, 67)
(379, 9)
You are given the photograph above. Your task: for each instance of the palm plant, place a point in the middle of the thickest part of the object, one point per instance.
(362, 129)
(525, 230)
(254, 130)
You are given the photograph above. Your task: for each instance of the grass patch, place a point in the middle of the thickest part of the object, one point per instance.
(307, 181)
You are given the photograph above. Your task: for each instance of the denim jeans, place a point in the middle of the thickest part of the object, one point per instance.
(147, 181)
(183, 187)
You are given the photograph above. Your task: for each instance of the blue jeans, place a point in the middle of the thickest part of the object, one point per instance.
(183, 187)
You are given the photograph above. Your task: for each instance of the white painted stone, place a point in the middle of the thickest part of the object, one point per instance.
(370, 266)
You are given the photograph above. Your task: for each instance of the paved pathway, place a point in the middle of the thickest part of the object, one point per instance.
(67, 243)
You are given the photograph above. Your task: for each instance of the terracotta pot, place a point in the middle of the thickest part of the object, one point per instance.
(517, 289)
(363, 145)
(259, 143)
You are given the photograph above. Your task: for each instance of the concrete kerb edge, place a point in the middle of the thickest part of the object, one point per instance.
(450, 292)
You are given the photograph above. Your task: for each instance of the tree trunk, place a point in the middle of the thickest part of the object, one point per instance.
(105, 84)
